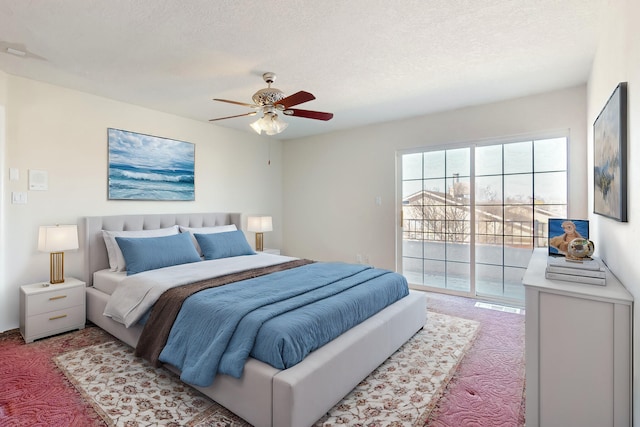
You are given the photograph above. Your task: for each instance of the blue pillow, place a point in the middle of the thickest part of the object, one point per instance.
(223, 245)
(149, 253)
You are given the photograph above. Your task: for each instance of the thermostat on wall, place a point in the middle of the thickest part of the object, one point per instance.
(38, 180)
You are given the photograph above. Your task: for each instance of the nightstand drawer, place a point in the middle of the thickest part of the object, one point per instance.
(52, 322)
(49, 310)
(53, 300)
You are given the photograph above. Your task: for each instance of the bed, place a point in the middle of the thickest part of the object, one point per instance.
(264, 396)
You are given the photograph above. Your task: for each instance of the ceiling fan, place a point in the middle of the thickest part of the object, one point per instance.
(270, 101)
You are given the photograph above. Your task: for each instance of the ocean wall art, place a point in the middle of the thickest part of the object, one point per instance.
(146, 167)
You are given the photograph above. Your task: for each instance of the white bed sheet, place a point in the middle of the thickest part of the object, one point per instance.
(107, 281)
(135, 294)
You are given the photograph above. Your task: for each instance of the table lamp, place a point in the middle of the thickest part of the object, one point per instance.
(259, 224)
(55, 239)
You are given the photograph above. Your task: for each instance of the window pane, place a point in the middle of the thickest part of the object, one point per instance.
(489, 279)
(518, 157)
(458, 162)
(458, 276)
(488, 227)
(489, 160)
(513, 282)
(435, 250)
(412, 166)
(458, 190)
(518, 188)
(411, 192)
(412, 269)
(434, 162)
(489, 250)
(517, 257)
(550, 155)
(489, 190)
(518, 221)
(435, 213)
(457, 251)
(437, 187)
(551, 187)
(412, 248)
(434, 274)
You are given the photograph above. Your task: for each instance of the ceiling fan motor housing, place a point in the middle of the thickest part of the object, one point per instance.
(267, 96)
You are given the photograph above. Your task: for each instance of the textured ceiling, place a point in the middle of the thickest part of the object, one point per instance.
(366, 61)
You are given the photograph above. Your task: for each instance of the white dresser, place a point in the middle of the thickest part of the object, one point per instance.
(578, 351)
(49, 310)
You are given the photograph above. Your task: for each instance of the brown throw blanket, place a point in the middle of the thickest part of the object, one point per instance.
(164, 312)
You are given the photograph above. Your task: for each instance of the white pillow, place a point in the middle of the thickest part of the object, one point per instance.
(206, 230)
(116, 259)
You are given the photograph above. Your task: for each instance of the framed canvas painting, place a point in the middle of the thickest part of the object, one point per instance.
(610, 157)
(562, 231)
(146, 167)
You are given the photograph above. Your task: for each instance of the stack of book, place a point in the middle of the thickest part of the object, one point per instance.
(590, 271)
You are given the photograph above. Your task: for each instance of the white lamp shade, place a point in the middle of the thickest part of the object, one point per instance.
(259, 224)
(57, 238)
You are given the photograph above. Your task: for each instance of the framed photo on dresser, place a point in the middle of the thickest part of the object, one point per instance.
(562, 231)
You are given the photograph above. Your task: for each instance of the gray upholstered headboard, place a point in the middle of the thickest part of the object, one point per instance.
(95, 251)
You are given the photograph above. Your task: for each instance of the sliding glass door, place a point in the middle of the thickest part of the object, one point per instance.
(436, 220)
(472, 214)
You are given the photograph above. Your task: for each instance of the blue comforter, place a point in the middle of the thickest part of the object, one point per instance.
(278, 318)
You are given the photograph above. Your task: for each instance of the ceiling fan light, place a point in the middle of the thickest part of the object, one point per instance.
(270, 123)
(278, 124)
(256, 126)
(273, 125)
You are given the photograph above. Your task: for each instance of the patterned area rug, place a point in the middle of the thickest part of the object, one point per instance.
(126, 391)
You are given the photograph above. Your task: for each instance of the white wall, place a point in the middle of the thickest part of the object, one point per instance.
(64, 132)
(4, 316)
(331, 181)
(618, 60)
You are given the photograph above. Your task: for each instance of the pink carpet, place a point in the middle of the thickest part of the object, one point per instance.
(33, 392)
(487, 390)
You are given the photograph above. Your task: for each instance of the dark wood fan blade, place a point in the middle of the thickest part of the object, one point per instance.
(295, 99)
(253, 113)
(236, 102)
(307, 114)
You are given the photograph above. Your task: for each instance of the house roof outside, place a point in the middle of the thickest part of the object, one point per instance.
(430, 215)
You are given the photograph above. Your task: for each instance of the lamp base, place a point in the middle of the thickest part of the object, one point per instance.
(259, 242)
(56, 269)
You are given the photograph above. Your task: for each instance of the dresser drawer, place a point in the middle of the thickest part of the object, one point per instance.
(54, 300)
(53, 322)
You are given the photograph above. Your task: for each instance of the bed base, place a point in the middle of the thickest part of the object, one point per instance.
(265, 396)
(298, 396)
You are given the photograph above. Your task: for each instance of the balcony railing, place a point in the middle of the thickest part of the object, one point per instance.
(510, 233)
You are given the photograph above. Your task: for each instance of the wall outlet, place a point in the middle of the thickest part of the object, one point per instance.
(359, 259)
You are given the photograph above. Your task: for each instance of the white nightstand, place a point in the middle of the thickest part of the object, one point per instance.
(271, 251)
(49, 310)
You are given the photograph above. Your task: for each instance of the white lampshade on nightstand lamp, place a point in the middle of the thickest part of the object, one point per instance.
(55, 239)
(259, 224)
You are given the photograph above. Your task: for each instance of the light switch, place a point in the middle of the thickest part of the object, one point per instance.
(19, 197)
(14, 174)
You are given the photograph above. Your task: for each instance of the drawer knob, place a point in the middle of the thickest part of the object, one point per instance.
(62, 316)
(58, 297)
